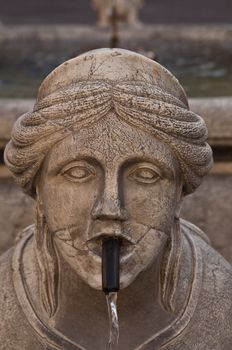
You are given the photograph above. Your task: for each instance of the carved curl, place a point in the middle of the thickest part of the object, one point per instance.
(138, 103)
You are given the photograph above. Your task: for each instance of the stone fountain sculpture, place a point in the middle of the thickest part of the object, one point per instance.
(126, 11)
(108, 153)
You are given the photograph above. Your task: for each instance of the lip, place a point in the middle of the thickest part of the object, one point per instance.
(126, 245)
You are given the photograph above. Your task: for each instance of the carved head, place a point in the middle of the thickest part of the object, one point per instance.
(109, 149)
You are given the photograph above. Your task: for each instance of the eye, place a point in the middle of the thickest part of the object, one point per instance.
(78, 172)
(145, 174)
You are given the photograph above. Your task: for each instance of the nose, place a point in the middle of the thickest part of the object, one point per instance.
(109, 204)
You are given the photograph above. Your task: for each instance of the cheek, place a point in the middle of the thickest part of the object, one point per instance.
(87, 268)
(151, 205)
(67, 204)
(145, 253)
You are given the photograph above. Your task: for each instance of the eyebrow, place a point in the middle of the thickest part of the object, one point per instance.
(166, 169)
(56, 165)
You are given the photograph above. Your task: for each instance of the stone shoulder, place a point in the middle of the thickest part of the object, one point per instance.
(211, 325)
(15, 332)
(217, 271)
(216, 267)
(213, 316)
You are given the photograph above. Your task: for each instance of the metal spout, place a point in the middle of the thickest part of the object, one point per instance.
(110, 265)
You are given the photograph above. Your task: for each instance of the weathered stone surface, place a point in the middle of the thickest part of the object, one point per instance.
(109, 152)
(217, 113)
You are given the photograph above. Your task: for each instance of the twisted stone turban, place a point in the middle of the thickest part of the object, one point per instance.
(83, 90)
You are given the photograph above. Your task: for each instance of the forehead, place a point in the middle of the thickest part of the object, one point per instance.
(112, 140)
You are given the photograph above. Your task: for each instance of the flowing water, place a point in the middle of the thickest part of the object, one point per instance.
(111, 299)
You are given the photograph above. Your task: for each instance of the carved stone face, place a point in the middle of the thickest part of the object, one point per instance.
(110, 179)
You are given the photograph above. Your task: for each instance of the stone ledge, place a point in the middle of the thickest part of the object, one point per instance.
(46, 32)
(217, 113)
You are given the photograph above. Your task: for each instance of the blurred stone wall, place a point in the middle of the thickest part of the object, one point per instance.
(80, 11)
(210, 208)
(16, 211)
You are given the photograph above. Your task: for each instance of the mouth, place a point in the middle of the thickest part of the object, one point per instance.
(126, 245)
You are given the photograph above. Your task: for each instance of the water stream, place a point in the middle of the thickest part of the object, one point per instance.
(111, 299)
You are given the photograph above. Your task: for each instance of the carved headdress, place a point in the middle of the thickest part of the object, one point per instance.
(84, 89)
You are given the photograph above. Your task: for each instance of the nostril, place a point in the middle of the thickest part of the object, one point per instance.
(121, 216)
(108, 209)
(110, 216)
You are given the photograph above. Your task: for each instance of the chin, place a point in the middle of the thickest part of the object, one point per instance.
(95, 280)
(126, 279)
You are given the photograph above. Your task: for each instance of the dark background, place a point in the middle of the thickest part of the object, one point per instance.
(80, 11)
